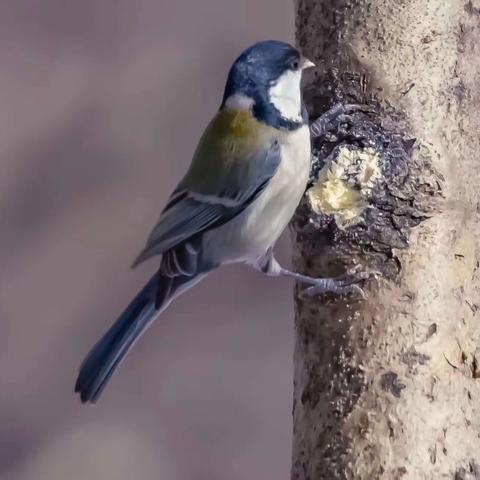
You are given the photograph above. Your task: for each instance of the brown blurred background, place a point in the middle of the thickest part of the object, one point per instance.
(102, 103)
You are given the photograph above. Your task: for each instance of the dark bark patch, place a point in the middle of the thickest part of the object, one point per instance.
(471, 472)
(472, 306)
(413, 359)
(403, 193)
(471, 9)
(476, 366)
(401, 471)
(432, 330)
(343, 386)
(390, 383)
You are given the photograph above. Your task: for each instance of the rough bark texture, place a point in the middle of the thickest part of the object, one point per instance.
(389, 387)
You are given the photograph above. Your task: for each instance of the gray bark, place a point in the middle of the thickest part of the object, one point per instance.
(389, 387)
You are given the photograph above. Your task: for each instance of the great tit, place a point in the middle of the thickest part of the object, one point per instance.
(246, 179)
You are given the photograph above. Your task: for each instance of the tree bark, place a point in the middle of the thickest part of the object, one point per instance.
(389, 387)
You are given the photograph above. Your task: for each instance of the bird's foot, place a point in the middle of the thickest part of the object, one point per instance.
(341, 285)
(332, 118)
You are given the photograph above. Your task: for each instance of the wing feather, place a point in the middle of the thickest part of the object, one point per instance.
(192, 211)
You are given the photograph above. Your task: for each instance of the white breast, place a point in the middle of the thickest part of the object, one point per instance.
(258, 227)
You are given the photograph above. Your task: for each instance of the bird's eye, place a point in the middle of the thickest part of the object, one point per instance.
(295, 64)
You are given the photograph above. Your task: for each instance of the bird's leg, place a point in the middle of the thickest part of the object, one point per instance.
(346, 283)
(334, 116)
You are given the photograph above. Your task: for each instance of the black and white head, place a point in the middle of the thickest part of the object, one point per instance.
(266, 78)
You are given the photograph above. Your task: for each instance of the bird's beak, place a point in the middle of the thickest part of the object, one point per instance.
(306, 63)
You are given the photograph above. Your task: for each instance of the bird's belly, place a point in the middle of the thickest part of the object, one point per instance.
(257, 228)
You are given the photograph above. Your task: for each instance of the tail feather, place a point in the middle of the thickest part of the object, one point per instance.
(180, 269)
(108, 352)
(102, 360)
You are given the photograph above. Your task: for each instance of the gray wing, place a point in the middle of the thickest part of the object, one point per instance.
(189, 214)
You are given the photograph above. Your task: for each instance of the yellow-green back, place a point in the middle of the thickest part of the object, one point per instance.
(227, 152)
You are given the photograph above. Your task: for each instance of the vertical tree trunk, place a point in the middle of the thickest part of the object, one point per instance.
(389, 387)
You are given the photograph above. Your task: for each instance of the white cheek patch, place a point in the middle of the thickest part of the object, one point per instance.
(286, 96)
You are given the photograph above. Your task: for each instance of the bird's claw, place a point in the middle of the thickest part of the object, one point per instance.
(335, 115)
(343, 284)
(336, 288)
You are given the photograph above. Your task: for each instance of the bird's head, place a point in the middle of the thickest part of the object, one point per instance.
(266, 78)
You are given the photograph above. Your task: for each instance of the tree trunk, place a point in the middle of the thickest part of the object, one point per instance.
(389, 387)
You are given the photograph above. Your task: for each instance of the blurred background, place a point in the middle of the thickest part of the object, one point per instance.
(102, 103)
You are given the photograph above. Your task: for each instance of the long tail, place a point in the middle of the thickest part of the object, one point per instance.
(102, 360)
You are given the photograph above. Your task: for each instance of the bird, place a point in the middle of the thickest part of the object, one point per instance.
(246, 179)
